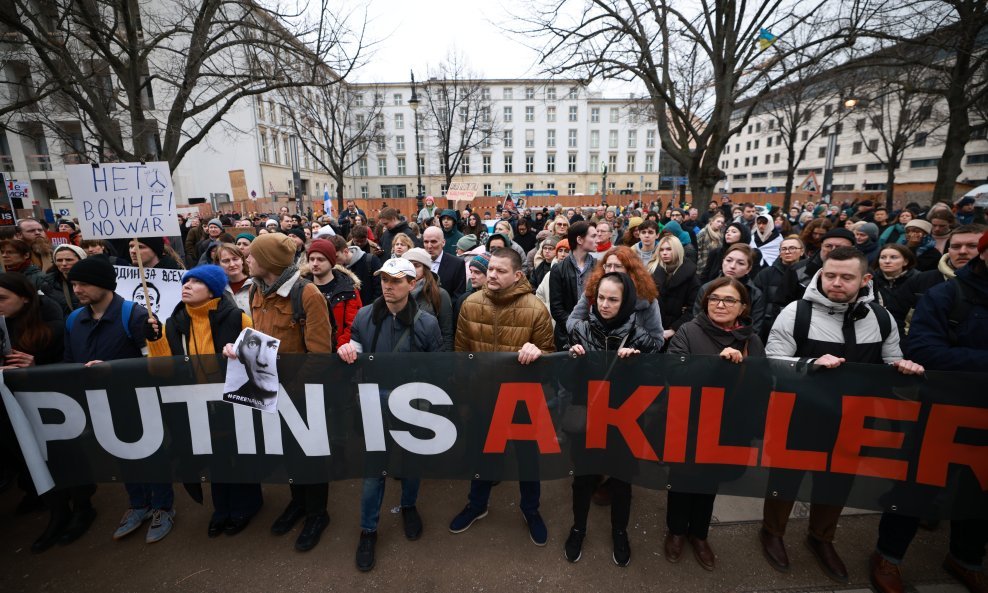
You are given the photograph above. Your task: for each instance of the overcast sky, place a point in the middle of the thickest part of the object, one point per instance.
(419, 35)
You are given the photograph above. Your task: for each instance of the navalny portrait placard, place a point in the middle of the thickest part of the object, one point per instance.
(252, 379)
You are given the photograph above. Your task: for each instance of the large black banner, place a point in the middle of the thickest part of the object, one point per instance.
(860, 435)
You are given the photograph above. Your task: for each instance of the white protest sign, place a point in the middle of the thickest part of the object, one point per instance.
(462, 191)
(124, 200)
(164, 289)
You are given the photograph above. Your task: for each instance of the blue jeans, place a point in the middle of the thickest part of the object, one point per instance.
(373, 497)
(480, 493)
(156, 496)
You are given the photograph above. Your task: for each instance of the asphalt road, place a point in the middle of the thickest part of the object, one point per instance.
(494, 555)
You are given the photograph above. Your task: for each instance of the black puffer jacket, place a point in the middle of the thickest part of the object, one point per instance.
(779, 285)
(676, 294)
(54, 286)
(701, 336)
(894, 296)
(591, 334)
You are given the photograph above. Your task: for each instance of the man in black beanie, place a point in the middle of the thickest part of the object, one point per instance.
(152, 252)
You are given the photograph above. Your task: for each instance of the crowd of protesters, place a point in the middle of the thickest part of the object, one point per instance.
(822, 283)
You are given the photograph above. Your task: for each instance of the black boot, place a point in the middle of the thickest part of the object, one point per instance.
(57, 523)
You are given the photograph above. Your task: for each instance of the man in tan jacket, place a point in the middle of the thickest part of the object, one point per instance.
(504, 317)
(278, 288)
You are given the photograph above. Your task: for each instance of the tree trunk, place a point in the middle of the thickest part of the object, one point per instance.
(949, 167)
(338, 177)
(890, 184)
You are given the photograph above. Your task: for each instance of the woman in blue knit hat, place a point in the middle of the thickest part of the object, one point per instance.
(201, 324)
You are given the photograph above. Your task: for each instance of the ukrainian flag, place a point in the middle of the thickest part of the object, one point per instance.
(765, 39)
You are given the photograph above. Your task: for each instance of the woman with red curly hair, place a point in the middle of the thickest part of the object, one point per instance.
(623, 259)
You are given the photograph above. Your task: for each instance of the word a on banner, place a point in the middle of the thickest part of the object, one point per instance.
(124, 200)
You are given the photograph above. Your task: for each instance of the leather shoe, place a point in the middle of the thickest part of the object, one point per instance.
(703, 553)
(216, 527)
(287, 520)
(56, 526)
(311, 530)
(78, 525)
(775, 550)
(975, 580)
(885, 577)
(674, 547)
(830, 562)
(235, 525)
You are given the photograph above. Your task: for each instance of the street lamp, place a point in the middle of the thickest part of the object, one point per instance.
(414, 103)
(828, 172)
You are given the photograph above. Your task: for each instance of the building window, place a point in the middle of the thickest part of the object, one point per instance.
(358, 100)
(804, 135)
(487, 164)
(573, 111)
(509, 138)
(631, 163)
(856, 147)
(264, 146)
(571, 164)
(382, 166)
(508, 115)
(550, 138)
(977, 159)
(874, 166)
(747, 145)
(550, 93)
(364, 192)
(401, 166)
(649, 138)
(593, 187)
(529, 93)
(465, 164)
(487, 190)
(614, 115)
(399, 121)
(508, 163)
(873, 145)
(571, 140)
(594, 138)
(399, 143)
(920, 140)
(550, 163)
(397, 98)
(570, 189)
(550, 185)
(756, 144)
(923, 163)
(648, 186)
(418, 143)
(612, 162)
(485, 94)
(632, 138)
(550, 114)
(507, 94)
(362, 167)
(595, 115)
(420, 162)
(754, 161)
(822, 152)
(572, 93)
(529, 114)
(594, 163)
(758, 127)
(649, 163)
(529, 138)
(529, 163)
(776, 159)
(612, 139)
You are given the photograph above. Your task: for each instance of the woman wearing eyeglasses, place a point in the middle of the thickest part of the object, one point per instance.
(722, 328)
(778, 282)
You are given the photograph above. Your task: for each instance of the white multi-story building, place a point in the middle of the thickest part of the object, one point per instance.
(548, 135)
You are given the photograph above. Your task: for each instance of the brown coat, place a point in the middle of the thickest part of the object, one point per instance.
(503, 322)
(272, 315)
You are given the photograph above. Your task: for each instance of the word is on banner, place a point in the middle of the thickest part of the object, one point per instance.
(124, 200)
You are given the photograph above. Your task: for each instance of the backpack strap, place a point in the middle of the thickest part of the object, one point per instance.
(801, 329)
(959, 312)
(125, 311)
(884, 319)
(298, 308)
(72, 318)
(405, 334)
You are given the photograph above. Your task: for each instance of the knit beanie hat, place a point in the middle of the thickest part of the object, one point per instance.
(324, 247)
(870, 229)
(155, 244)
(78, 251)
(920, 224)
(97, 271)
(296, 232)
(215, 222)
(211, 275)
(982, 243)
(634, 221)
(564, 244)
(467, 242)
(250, 237)
(480, 262)
(274, 252)
(840, 233)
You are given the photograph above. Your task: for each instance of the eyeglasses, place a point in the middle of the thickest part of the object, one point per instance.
(725, 301)
(788, 249)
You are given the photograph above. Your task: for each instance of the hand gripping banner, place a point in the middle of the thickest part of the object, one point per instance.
(860, 435)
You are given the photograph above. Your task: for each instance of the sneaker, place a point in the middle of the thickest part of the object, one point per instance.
(465, 519)
(412, 521)
(622, 548)
(537, 529)
(161, 525)
(365, 550)
(574, 544)
(131, 521)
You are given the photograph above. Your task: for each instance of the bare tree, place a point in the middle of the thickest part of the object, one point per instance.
(459, 112)
(947, 38)
(697, 61)
(901, 112)
(162, 74)
(336, 125)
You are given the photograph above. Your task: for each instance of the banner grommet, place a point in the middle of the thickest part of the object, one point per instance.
(291, 481)
(371, 358)
(668, 486)
(202, 479)
(470, 356)
(775, 493)
(476, 476)
(384, 474)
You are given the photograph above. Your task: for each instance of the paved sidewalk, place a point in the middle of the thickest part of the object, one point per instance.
(495, 555)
